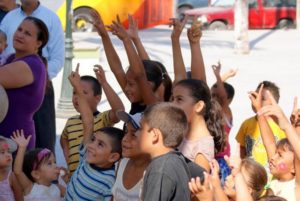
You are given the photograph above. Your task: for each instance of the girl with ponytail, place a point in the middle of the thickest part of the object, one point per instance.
(205, 136)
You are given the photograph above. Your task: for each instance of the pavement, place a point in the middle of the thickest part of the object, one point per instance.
(274, 56)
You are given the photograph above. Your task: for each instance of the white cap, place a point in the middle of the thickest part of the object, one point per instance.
(133, 119)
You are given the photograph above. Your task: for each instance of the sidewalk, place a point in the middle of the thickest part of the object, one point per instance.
(274, 56)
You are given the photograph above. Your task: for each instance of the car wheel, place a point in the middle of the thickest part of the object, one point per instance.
(217, 25)
(181, 10)
(82, 19)
(285, 24)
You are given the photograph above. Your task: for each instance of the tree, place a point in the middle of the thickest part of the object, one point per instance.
(241, 27)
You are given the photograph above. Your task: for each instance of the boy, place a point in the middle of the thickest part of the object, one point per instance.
(162, 128)
(249, 135)
(3, 45)
(95, 175)
(72, 134)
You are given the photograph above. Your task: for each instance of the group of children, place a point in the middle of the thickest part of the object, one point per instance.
(174, 142)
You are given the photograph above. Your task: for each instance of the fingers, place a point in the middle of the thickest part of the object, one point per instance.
(77, 68)
(271, 98)
(118, 19)
(295, 106)
(215, 167)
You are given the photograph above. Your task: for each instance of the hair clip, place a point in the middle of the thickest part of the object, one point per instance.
(40, 156)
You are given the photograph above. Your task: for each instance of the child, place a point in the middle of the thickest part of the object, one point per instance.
(9, 186)
(72, 134)
(283, 156)
(162, 128)
(95, 175)
(249, 135)
(205, 136)
(134, 162)
(3, 45)
(38, 172)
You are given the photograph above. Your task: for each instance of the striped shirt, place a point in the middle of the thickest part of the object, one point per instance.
(89, 182)
(73, 132)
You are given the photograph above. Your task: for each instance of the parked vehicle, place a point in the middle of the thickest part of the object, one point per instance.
(263, 14)
(184, 5)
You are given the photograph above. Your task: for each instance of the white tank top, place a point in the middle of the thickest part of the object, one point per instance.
(119, 192)
(43, 193)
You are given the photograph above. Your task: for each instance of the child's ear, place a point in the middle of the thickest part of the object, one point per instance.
(156, 135)
(114, 157)
(199, 106)
(98, 98)
(35, 174)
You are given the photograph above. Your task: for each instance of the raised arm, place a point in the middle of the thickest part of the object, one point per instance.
(112, 97)
(84, 109)
(197, 64)
(25, 183)
(265, 130)
(111, 54)
(228, 74)
(221, 92)
(133, 33)
(179, 67)
(136, 65)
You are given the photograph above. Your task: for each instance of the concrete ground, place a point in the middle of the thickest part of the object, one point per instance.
(274, 56)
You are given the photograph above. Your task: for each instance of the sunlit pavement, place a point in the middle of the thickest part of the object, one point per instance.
(274, 56)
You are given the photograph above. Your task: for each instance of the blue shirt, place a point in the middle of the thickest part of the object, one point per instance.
(54, 51)
(90, 182)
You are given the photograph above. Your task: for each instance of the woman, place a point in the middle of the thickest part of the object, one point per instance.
(24, 78)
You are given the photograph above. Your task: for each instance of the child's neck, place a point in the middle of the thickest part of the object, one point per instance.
(197, 129)
(286, 177)
(160, 151)
(3, 173)
(140, 161)
(43, 182)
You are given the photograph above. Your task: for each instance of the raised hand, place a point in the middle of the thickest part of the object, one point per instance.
(19, 138)
(98, 23)
(100, 74)
(133, 28)
(74, 77)
(177, 26)
(194, 33)
(202, 192)
(256, 98)
(217, 69)
(117, 29)
(215, 169)
(295, 116)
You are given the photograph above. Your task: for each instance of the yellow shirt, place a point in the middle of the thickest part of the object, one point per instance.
(73, 133)
(249, 137)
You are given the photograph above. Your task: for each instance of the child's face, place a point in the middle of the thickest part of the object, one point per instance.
(5, 155)
(48, 170)
(130, 142)
(182, 98)
(282, 163)
(3, 43)
(89, 95)
(144, 137)
(99, 151)
(132, 89)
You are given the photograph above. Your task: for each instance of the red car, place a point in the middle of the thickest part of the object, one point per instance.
(263, 14)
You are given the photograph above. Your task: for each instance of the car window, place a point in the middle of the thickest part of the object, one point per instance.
(279, 3)
(252, 3)
(223, 3)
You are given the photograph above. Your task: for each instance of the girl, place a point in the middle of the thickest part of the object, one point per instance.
(132, 166)
(38, 173)
(9, 187)
(205, 136)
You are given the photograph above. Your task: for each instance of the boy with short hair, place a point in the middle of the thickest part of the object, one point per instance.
(249, 135)
(72, 134)
(95, 175)
(162, 128)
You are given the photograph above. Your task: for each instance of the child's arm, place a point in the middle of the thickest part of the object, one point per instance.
(197, 63)
(112, 98)
(17, 189)
(110, 52)
(201, 192)
(179, 68)
(22, 142)
(135, 63)
(133, 33)
(85, 111)
(295, 116)
(228, 74)
(216, 183)
(202, 161)
(265, 130)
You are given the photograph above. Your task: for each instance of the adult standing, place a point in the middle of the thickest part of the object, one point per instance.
(24, 78)
(6, 6)
(53, 52)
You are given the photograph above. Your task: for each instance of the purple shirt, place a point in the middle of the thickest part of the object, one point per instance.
(25, 101)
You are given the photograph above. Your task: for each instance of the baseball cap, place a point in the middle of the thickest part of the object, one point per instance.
(11, 144)
(3, 103)
(128, 118)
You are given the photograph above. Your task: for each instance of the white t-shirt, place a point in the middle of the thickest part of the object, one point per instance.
(284, 189)
(43, 193)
